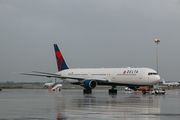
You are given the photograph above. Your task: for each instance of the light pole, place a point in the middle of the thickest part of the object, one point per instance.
(157, 41)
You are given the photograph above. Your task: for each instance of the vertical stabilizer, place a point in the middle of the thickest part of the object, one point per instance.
(163, 81)
(61, 64)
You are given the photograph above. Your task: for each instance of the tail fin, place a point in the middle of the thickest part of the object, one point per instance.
(163, 81)
(61, 64)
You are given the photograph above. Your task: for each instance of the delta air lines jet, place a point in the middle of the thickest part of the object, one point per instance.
(89, 78)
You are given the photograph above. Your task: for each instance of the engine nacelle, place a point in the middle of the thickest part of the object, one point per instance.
(89, 84)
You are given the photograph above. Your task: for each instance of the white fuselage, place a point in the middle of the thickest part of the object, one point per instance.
(171, 84)
(119, 76)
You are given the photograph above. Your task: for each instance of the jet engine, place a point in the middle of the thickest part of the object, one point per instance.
(89, 84)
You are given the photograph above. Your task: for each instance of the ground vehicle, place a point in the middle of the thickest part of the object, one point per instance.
(127, 89)
(56, 88)
(143, 88)
(154, 91)
(158, 91)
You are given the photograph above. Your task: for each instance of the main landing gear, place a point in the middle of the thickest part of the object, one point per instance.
(87, 91)
(113, 90)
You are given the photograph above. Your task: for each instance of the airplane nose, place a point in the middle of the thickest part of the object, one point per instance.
(158, 78)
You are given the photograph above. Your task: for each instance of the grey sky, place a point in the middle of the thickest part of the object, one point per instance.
(89, 33)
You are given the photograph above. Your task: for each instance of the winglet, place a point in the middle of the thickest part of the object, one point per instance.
(61, 64)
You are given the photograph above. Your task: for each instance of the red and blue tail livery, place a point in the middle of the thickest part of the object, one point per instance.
(61, 64)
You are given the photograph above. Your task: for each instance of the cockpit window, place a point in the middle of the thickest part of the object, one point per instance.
(152, 73)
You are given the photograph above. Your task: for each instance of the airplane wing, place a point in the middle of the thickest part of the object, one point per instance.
(98, 80)
(49, 75)
(81, 80)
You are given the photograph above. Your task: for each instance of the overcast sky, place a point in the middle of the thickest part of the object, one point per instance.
(90, 34)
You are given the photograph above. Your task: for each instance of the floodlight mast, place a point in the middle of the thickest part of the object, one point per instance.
(157, 41)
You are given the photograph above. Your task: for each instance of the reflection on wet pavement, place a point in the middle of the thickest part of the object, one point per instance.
(73, 104)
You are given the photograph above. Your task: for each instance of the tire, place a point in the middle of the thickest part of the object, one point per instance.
(84, 91)
(115, 91)
(87, 91)
(110, 91)
(144, 92)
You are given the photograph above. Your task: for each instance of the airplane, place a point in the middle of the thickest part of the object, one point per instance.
(89, 78)
(170, 83)
(49, 84)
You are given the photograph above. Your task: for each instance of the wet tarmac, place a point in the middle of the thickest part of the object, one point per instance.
(74, 105)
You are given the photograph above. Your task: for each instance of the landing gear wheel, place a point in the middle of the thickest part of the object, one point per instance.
(144, 91)
(58, 89)
(112, 91)
(87, 91)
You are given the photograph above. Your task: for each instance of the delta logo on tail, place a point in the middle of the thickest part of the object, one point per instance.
(59, 59)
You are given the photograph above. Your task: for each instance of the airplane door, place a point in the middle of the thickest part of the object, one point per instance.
(140, 75)
(113, 75)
